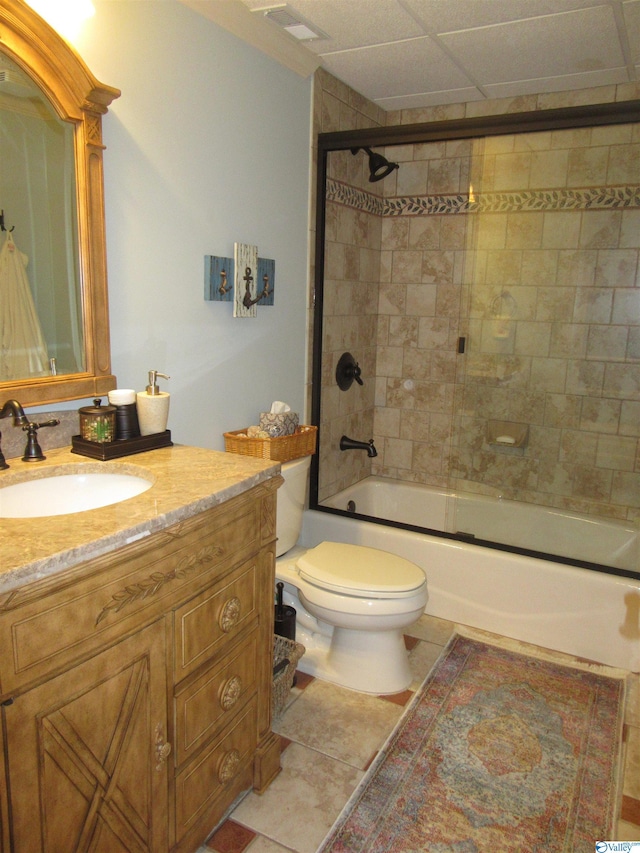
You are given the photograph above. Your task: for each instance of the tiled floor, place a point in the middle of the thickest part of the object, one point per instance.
(330, 736)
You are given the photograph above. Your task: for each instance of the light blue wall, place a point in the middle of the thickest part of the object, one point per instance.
(208, 145)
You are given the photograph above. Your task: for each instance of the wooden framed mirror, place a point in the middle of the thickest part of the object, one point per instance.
(59, 234)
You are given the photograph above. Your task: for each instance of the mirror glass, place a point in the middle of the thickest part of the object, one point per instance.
(54, 313)
(40, 294)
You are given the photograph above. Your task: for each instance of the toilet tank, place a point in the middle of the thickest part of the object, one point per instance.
(291, 497)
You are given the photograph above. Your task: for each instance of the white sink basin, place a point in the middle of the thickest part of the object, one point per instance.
(66, 493)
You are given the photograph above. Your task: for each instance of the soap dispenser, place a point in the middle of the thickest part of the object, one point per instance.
(153, 406)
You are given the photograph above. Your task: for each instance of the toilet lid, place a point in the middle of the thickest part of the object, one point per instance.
(356, 568)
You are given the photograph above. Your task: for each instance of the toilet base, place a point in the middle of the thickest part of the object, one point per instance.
(366, 661)
(369, 661)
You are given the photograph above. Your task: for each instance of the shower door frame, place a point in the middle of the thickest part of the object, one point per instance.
(448, 130)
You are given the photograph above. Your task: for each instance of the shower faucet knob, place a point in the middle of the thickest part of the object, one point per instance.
(347, 370)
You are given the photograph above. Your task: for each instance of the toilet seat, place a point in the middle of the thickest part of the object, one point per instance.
(359, 571)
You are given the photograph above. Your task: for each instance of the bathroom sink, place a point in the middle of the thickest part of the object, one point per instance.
(66, 493)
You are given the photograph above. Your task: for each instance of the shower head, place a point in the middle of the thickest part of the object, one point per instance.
(379, 166)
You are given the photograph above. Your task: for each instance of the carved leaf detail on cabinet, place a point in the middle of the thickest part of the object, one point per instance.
(156, 580)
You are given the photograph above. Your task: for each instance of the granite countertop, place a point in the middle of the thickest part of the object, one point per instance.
(186, 481)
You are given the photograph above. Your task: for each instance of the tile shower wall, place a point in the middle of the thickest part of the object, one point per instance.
(427, 396)
(352, 276)
(351, 299)
(544, 286)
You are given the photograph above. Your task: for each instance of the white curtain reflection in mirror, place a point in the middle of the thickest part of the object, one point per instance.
(38, 197)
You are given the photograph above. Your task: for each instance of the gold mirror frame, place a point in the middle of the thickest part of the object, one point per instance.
(79, 98)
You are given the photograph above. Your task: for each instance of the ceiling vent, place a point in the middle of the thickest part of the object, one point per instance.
(293, 23)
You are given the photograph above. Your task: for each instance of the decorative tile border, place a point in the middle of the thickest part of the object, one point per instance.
(352, 197)
(596, 198)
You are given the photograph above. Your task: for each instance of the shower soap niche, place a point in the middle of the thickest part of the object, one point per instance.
(507, 434)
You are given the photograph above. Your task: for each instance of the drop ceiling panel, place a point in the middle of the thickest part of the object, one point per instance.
(400, 68)
(442, 16)
(430, 99)
(556, 84)
(512, 51)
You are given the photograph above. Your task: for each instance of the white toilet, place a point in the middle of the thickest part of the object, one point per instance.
(353, 602)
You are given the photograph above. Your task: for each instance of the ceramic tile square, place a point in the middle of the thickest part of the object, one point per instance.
(504, 267)
(421, 661)
(627, 831)
(616, 268)
(631, 785)
(512, 171)
(262, 844)
(445, 176)
(432, 629)
(623, 381)
(600, 229)
(560, 231)
(632, 709)
(549, 168)
(302, 803)
(625, 489)
(329, 718)
(230, 838)
(624, 166)
(616, 452)
(607, 342)
(630, 811)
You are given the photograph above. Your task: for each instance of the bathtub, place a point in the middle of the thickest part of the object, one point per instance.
(526, 526)
(579, 611)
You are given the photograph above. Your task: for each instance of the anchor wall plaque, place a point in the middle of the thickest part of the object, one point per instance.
(246, 271)
(253, 286)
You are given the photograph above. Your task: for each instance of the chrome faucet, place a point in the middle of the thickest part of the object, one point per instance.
(347, 443)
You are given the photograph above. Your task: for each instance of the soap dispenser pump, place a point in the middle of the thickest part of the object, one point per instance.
(153, 406)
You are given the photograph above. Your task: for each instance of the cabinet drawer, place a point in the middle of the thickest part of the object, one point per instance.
(218, 775)
(56, 623)
(206, 623)
(207, 704)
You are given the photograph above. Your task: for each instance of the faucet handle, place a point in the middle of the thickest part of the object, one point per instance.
(33, 451)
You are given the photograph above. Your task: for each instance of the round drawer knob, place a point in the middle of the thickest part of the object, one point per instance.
(230, 614)
(230, 692)
(228, 766)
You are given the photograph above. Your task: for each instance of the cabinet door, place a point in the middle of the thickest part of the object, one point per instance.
(87, 754)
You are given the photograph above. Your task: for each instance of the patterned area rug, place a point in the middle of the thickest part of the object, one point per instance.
(498, 751)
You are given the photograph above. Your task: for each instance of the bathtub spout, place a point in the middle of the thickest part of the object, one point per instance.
(347, 443)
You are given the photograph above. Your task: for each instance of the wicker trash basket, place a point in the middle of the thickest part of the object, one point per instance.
(291, 652)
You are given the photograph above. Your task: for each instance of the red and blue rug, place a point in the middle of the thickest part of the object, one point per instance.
(497, 752)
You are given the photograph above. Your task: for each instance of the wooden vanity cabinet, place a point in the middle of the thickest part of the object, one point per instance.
(136, 688)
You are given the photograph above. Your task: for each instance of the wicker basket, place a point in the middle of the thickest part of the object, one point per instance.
(280, 449)
(284, 649)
